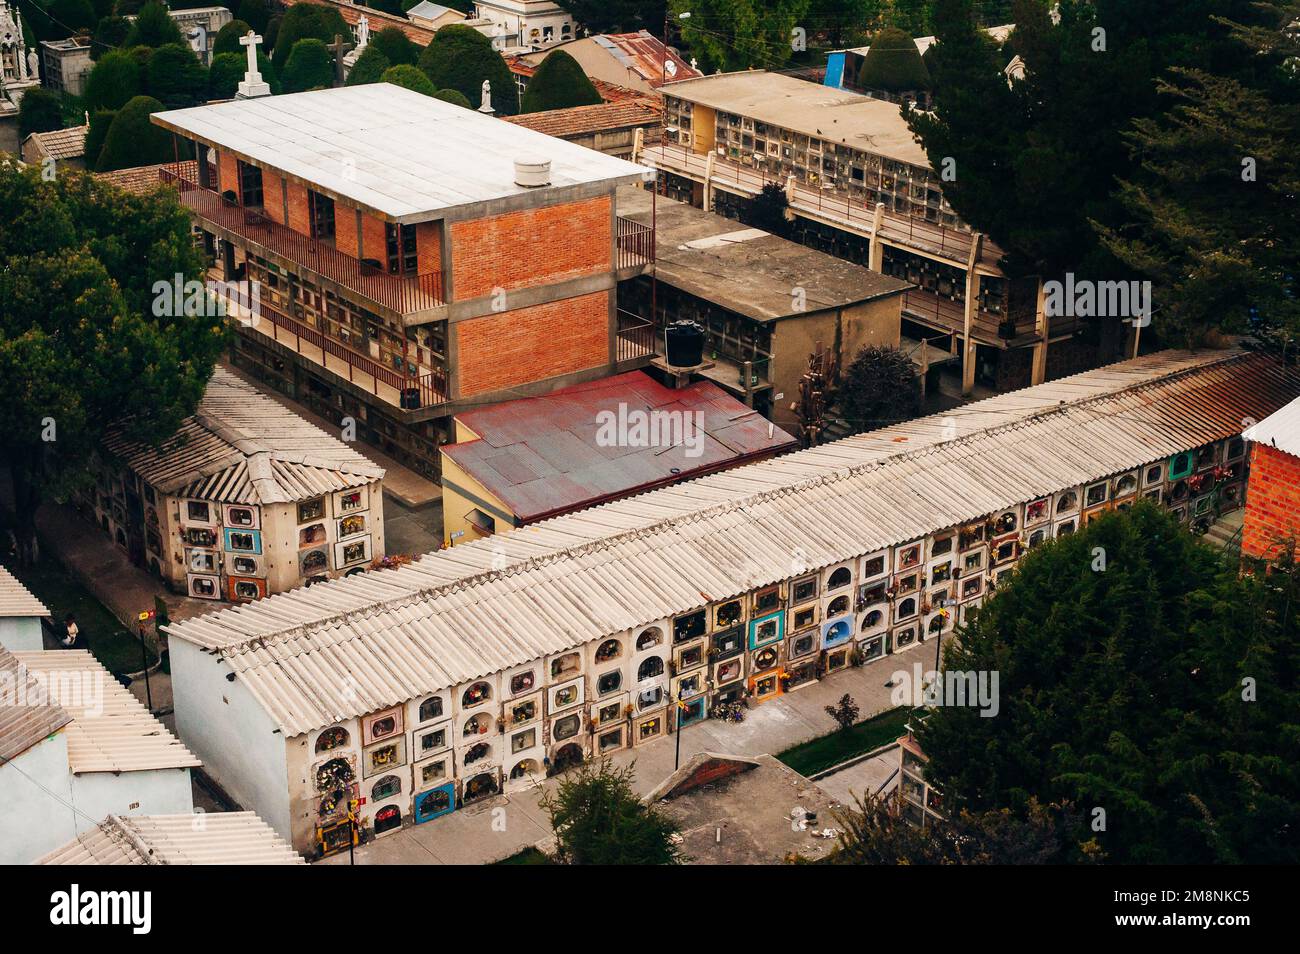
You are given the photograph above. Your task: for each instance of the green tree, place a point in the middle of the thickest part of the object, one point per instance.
(80, 344)
(133, 140)
(910, 16)
(305, 21)
(454, 97)
(368, 68)
(879, 387)
(615, 16)
(893, 64)
(598, 820)
(558, 84)
(845, 712)
(395, 45)
(175, 77)
(72, 16)
(154, 27)
(460, 58)
(768, 210)
(225, 75)
(114, 80)
(227, 38)
(110, 33)
(310, 66)
(410, 77)
(272, 31)
(732, 35)
(256, 13)
(1214, 210)
(1138, 673)
(844, 18)
(100, 121)
(41, 110)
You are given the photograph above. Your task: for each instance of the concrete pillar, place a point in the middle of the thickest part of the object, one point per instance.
(1038, 372)
(708, 182)
(876, 252)
(638, 143)
(968, 317)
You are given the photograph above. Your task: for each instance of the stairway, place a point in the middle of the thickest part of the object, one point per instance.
(1225, 532)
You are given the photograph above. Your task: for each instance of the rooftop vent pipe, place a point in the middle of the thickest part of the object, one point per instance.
(532, 172)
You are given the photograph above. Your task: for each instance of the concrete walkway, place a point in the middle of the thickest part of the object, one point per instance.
(498, 827)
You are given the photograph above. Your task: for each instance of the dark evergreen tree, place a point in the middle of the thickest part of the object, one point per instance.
(154, 27)
(368, 68)
(893, 64)
(395, 45)
(453, 97)
(879, 387)
(175, 77)
(41, 110)
(112, 81)
(598, 819)
(133, 140)
(100, 121)
(227, 38)
(310, 66)
(110, 33)
(461, 58)
(304, 21)
(558, 84)
(409, 77)
(256, 13)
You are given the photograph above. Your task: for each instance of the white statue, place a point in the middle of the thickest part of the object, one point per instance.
(485, 105)
(363, 32)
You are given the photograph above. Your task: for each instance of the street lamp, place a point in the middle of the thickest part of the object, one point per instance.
(663, 73)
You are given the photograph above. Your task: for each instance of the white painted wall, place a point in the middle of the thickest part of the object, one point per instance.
(20, 633)
(228, 730)
(37, 792)
(153, 792)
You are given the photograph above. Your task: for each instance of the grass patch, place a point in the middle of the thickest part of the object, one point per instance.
(102, 633)
(528, 856)
(839, 746)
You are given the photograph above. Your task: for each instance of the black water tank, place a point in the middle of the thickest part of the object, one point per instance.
(685, 344)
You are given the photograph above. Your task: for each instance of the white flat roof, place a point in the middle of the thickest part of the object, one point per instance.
(400, 153)
(1281, 429)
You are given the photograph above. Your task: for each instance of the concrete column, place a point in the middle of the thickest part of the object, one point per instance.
(638, 143)
(968, 317)
(1038, 372)
(876, 252)
(708, 182)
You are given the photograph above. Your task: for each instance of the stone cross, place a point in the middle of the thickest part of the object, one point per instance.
(338, 48)
(252, 85)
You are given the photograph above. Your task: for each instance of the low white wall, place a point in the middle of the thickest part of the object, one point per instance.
(38, 815)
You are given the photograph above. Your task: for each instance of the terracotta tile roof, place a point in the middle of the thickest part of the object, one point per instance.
(67, 143)
(579, 120)
(143, 178)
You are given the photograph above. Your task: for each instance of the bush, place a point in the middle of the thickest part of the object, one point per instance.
(227, 38)
(395, 45)
(453, 97)
(310, 66)
(893, 64)
(100, 121)
(272, 32)
(112, 81)
(305, 21)
(461, 58)
(110, 33)
(154, 27)
(135, 141)
(880, 387)
(558, 84)
(368, 68)
(255, 13)
(409, 77)
(225, 75)
(41, 111)
(175, 77)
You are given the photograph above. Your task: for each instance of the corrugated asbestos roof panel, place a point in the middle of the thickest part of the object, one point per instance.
(356, 645)
(213, 838)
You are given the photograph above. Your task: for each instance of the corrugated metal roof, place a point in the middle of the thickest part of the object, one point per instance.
(405, 155)
(542, 456)
(211, 838)
(1280, 429)
(27, 715)
(645, 55)
(110, 731)
(16, 599)
(313, 657)
(243, 447)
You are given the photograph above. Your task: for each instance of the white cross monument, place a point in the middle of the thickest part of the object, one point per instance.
(252, 85)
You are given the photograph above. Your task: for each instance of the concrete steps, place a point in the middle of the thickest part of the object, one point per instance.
(1226, 531)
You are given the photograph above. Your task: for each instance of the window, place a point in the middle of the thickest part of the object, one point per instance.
(766, 658)
(611, 740)
(941, 546)
(332, 738)
(609, 682)
(941, 573)
(649, 698)
(689, 626)
(1096, 494)
(523, 712)
(521, 682)
(650, 668)
(242, 541)
(873, 619)
(564, 666)
(804, 589)
(649, 637)
(873, 566)
(767, 599)
(311, 510)
(567, 727)
(399, 241)
(430, 708)
(803, 645)
(386, 787)
(477, 753)
(907, 608)
(197, 510)
(320, 212)
(838, 606)
(841, 577)
(728, 614)
(240, 516)
(250, 185)
(522, 740)
(804, 616)
(475, 694)
(245, 590)
(479, 725)
(433, 741)
(729, 642)
(609, 649)
(1067, 502)
(354, 524)
(909, 556)
(245, 565)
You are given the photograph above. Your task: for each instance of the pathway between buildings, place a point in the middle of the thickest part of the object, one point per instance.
(498, 827)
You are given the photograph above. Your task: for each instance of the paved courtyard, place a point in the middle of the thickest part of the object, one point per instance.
(498, 827)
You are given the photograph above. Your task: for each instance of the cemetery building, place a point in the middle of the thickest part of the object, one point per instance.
(63, 146)
(76, 746)
(213, 838)
(413, 257)
(245, 499)
(611, 128)
(65, 64)
(636, 61)
(21, 615)
(487, 666)
(860, 187)
(1272, 517)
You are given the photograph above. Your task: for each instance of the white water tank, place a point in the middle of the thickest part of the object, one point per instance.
(532, 172)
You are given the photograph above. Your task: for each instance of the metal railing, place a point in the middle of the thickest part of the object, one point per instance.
(903, 230)
(636, 244)
(938, 311)
(396, 293)
(635, 337)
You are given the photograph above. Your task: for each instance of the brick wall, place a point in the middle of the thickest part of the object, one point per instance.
(531, 247)
(345, 230)
(299, 217)
(273, 196)
(428, 240)
(227, 173)
(1272, 501)
(531, 344)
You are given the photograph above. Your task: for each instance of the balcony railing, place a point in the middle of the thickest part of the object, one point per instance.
(903, 230)
(400, 294)
(636, 244)
(635, 339)
(948, 315)
(401, 390)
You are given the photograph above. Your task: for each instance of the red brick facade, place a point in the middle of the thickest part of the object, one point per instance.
(532, 344)
(531, 247)
(1272, 502)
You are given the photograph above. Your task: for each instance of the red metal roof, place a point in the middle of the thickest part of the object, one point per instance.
(547, 455)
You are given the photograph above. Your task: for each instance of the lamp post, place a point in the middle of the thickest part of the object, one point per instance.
(663, 67)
